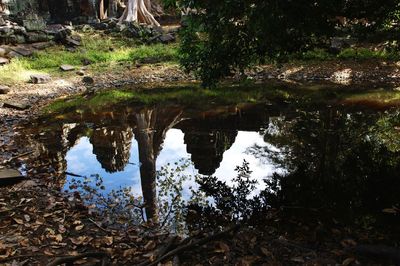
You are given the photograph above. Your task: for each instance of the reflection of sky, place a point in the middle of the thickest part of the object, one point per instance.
(82, 161)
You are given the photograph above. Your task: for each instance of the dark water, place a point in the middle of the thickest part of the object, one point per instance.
(343, 162)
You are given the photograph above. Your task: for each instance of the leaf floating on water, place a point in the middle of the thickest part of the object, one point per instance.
(297, 259)
(390, 211)
(348, 261)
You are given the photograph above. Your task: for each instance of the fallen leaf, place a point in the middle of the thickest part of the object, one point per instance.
(58, 238)
(108, 240)
(265, 252)
(129, 252)
(18, 221)
(79, 227)
(348, 261)
(150, 245)
(77, 241)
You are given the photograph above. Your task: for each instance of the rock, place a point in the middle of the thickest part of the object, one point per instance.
(67, 67)
(58, 31)
(10, 176)
(80, 73)
(71, 49)
(72, 41)
(33, 37)
(4, 61)
(40, 78)
(17, 106)
(88, 80)
(167, 38)
(100, 26)
(340, 43)
(4, 89)
(22, 51)
(87, 28)
(42, 45)
(86, 62)
(2, 52)
(13, 54)
(120, 27)
(2, 21)
(34, 23)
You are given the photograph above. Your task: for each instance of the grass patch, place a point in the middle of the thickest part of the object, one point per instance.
(102, 51)
(319, 55)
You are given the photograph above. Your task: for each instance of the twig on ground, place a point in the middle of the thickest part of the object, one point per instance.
(103, 229)
(70, 259)
(21, 257)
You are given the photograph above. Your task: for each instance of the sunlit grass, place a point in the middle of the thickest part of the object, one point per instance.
(101, 51)
(193, 96)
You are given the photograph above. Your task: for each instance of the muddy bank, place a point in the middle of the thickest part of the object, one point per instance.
(339, 72)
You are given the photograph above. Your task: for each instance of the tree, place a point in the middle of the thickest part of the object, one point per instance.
(222, 37)
(138, 11)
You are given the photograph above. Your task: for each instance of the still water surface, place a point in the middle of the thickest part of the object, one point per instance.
(337, 158)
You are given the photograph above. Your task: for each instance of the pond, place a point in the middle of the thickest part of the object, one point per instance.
(192, 167)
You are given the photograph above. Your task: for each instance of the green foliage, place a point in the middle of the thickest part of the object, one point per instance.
(220, 37)
(364, 53)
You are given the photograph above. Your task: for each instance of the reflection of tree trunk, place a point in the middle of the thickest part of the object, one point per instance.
(151, 127)
(145, 137)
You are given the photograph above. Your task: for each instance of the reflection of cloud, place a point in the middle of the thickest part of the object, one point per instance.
(237, 154)
(82, 161)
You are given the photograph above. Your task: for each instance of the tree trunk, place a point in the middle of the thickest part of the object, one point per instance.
(136, 11)
(102, 13)
(112, 8)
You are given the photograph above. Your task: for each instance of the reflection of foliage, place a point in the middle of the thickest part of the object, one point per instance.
(334, 160)
(230, 204)
(117, 207)
(170, 181)
(387, 131)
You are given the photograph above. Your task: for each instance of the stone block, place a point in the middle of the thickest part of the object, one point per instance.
(4, 89)
(67, 67)
(17, 106)
(4, 61)
(22, 51)
(40, 78)
(34, 23)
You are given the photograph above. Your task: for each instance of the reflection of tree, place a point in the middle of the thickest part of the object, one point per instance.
(151, 127)
(112, 147)
(208, 148)
(332, 161)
